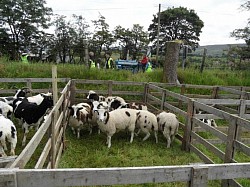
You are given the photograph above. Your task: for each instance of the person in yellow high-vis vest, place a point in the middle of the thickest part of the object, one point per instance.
(24, 58)
(149, 67)
(109, 62)
(92, 63)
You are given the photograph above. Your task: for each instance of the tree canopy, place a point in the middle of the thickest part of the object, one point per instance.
(22, 20)
(176, 24)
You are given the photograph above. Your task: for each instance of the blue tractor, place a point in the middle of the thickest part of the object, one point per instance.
(132, 65)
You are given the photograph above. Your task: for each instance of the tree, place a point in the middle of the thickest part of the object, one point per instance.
(64, 39)
(243, 34)
(22, 19)
(102, 37)
(133, 40)
(176, 24)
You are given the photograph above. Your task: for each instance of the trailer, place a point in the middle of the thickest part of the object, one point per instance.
(132, 65)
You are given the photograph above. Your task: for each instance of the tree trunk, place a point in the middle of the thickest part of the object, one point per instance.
(171, 61)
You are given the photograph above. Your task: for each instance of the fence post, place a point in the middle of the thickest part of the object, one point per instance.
(52, 151)
(54, 84)
(163, 98)
(199, 177)
(72, 91)
(230, 150)
(215, 92)
(110, 84)
(231, 136)
(145, 99)
(183, 89)
(189, 126)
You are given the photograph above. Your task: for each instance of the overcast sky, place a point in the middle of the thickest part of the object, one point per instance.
(220, 17)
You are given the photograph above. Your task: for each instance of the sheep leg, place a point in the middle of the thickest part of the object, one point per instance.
(25, 132)
(109, 141)
(137, 133)
(13, 146)
(73, 130)
(3, 142)
(132, 137)
(156, 137)
(78, 133)
(147, 136)
(3, 154)
(168, 140)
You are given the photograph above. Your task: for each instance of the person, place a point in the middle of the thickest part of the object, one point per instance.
(92, 63)
(109, 61)
(149, 67)
(144, 62)
(24, 58)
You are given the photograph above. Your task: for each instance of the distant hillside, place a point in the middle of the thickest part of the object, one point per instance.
(214, 50)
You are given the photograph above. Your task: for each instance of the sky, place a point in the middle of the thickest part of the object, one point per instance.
(220, 17)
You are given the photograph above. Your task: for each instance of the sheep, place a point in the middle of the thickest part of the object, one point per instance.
(7, 131)
(147, 122)
(168, 124)
(133, 105)
(38, 98)
(6, 109)
(78, 117)
(114, 121)
(22, 92)
(93, 96)
(31, 113)
(210, 122)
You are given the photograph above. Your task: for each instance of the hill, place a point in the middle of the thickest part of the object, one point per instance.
(215, 50)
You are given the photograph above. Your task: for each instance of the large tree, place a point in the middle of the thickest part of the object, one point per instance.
(176, 24)
(23, 18)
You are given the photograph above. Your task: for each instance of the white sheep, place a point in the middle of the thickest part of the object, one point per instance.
(6, 109)
(147, 122)
(78, 117)
(114, 121)
(168, 124)
(7, 131)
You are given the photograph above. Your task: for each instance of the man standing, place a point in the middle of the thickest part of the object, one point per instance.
(144, 62)
(109, 61)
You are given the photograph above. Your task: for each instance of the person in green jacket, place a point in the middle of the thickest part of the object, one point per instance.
(149, 67)
(24, 58)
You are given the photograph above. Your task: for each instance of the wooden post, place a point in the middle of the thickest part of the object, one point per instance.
(231, 136)
(242, 111)
(72, 92)
(110, 84)
(203, 60)
(54, 84)
(183, 89)
(188, 127)
(171, 61)
(215, 92)
(199, 177)
(53, 151)
(145, 99)
(163, 99)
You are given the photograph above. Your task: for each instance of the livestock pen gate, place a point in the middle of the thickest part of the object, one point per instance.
(224, 103)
